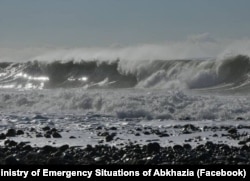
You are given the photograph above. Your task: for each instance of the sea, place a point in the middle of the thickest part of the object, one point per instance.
(82, 96)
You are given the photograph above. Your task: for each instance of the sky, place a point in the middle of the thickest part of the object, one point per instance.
(95, 23)
(106, 22)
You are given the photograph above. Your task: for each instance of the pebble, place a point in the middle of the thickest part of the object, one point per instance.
(2, 136)
(56, 135)
(11, 133)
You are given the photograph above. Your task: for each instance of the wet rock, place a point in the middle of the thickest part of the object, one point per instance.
(48, 149)
(39, 135)
(53, 130)
(27, 148)
(189, 128)
(232, 131)
(225, 148)
(46, 128)
(245, 148)
(56, 135)
(178, 148)
(163, 135)
(89, 148)
(57, 153)
(242, 142)
(63, 148)
(137, 134)
(19, 132)
(109, 138)
(98, 128)
(12, 143)
(146, 133)
(6, 142)
(138, 129)
(2, 136)
(11, 133)
(47, 135)
(187, 146)
(21, 144)
(153, 147)
(11, 160)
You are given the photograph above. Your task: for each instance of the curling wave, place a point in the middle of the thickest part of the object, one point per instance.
(228, 74)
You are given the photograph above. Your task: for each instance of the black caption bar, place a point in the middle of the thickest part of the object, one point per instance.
(115, 171)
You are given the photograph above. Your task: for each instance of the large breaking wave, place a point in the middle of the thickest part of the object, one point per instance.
(231, 73)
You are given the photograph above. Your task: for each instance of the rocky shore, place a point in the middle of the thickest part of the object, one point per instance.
(137, 143)
(150, 154)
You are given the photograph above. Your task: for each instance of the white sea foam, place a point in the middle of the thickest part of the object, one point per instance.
(128, 103)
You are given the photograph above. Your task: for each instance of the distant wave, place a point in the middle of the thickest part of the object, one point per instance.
(229, 73)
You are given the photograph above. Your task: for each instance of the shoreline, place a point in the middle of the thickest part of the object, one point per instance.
(14, 153)
(94, 140)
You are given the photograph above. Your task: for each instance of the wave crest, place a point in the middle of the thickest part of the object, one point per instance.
(229, 73)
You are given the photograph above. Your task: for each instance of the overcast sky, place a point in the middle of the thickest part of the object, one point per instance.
(78, 23)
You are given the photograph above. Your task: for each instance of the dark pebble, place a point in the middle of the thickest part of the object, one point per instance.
(113, 128)
(98, 128)
(10, 160)
(137, 134)
(72, 137)
(244, 148)
(47, 135)
(39, 135)
(46, 128)
(130, 153)
(21, 144)
(48, 149)
(27, 148)
(242, 142)
(53, 130)
(19, 132)
(153, 147)
(2, 136)
(109, 138)
(187, 146)
(163, 135)
(178, 148)
(12, 143)
(56, 135)
(11, 133)
(232, 131)
(138, 129)
(63, 147)
(146, 133)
